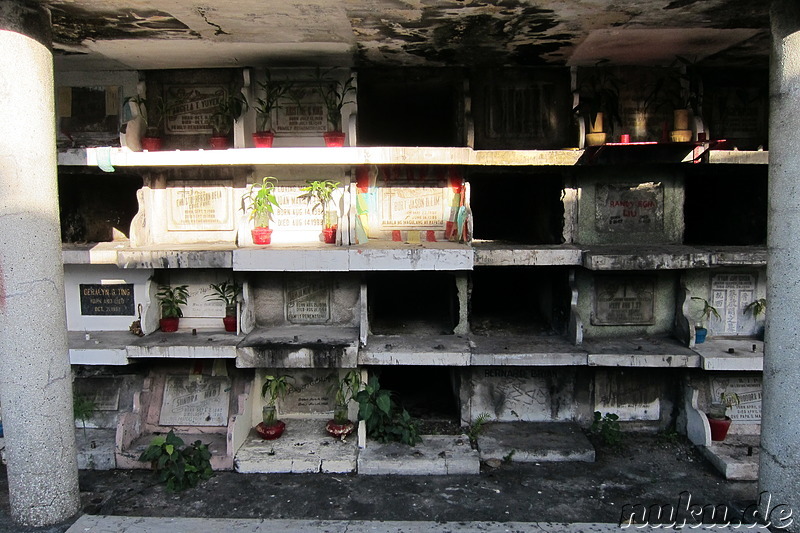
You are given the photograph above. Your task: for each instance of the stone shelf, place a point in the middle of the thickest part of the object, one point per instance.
(425, 350)
(670, 257)
(649, 352)
(301, 346)
(525, 350)
(715, 354)
(206, 344)
(123, 157)
(390, 255)
(111, 157)
(491, 253)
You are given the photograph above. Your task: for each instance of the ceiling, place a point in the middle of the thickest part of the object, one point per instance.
(157, 34)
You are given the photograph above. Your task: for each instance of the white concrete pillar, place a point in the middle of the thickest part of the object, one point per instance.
(780, 440)
(35, 379)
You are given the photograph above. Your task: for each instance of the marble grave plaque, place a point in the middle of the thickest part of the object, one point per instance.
(749, 391)
(310, 392)
(308, 301)
(207, 208)
(413, 207)
(195, 401)
(190, 108)
(622, 301)
(104, 392)
(730, 293)
(637, 208)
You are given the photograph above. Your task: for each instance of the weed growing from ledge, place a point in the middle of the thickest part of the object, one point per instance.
(607, 428)
(477, 427)
(179, 466)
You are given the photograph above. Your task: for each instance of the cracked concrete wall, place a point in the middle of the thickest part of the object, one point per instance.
(35, 377)
(780, 447)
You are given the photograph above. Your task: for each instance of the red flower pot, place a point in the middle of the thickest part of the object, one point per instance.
(151, 144)
(719, 427)
(263, 139)
(339, 431)
(271, 432)
(218, 142)
(261, 235)
(329, 235)
(333, 138)
(230, 323)
(169, 325)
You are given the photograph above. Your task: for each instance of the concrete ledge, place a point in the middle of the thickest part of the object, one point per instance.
(524, 350)
(166, 256)
(389, 255)
(183, 345)
(715, 354)
(731, 457)
(655, 352)
(304, 448)
(533, 442)
(435, 455)
(277, 258)
(96, 448)
(441, 350)
(492, 254)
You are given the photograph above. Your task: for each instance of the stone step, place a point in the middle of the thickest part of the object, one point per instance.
(435, 455)
(533, 442)
(305, 447)
(736, 457)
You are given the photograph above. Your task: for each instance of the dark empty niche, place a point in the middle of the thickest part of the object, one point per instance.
(516, 207)
(93, 206)
(428, 393)
(726, 205)
(412, 303)
(409, 107)
(519, 300)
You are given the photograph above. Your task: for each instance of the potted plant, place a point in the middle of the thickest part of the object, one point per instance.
(171, 300)
(262, 202)
(717, 415)
(701, 330)
(599, 103)
(322, 191)
(335, 95)
(229, 109)
(151, 141)
(346, 389)
(274, 91)
(227, 292)
(274, 387)
(685, 98)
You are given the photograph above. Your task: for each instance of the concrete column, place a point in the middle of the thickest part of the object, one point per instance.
(35, 379)
(780, 443)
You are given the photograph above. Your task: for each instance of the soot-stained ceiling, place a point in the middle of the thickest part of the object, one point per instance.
(142, 34)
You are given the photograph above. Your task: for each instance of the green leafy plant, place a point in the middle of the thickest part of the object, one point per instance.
(345, 390)
(228, 110)
(274, 91)
(274, 387)
(477, 427)
(607, 428)
(708, 310)
(335, 95)
(83, 409)
(261, 201)
(160, 112)
(688, 90)
(756, 307)
(227, 292)
(599, 93)
(384, 419)
(726, 401)
(171, 299)
(321, 191)
(179, 466)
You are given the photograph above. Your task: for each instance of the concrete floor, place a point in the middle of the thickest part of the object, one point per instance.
(648, 469)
